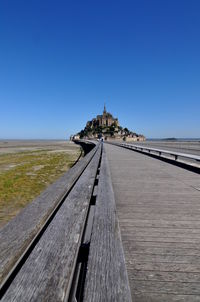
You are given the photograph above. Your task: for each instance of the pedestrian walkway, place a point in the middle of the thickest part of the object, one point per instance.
(158, 207)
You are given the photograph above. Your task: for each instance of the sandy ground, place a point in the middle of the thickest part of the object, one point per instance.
(13, 146)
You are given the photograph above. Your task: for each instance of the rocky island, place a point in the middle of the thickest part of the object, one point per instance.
(107, 127)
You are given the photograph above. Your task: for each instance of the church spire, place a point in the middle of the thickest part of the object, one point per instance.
(104, 110)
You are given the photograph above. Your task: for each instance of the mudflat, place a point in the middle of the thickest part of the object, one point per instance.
(12, 146)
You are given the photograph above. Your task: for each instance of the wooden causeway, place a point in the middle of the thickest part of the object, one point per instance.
(119, 226)
(47, 273)
(18, 234)
(106, 278)
(158, 207)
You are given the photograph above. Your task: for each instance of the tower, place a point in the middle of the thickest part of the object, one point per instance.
(104, 110)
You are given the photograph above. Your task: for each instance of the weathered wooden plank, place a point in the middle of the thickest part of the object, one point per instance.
(158, 210)
(106, 278)
(190, 217)
(154, 239)
(164, 276)
(155, 297)
(178, 288)
(48, 272)
(185, 208)
(147, 257)
(156, 250)
(165, 267)
(159, 232)
(164, 223)
(19, 232)
(159, 197)
(167, 245)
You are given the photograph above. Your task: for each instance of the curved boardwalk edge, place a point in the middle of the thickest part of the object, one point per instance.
(106, 278)
(187, 161)
(16, 236)
(48, 272)
(158, 211)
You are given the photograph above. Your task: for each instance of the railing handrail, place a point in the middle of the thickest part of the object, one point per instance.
(18, 234)
(173, 153)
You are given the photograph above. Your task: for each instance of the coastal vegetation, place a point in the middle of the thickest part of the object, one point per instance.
(24, 175)
(110, 131)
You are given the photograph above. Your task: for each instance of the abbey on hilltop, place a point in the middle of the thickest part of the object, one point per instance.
(107, 127)
(104, 120)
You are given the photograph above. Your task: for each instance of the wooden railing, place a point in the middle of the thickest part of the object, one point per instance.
(66, 244)
(189, 161)
(161, 151)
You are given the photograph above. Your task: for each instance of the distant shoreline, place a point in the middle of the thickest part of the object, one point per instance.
(174, 139)
(62, 139)
(33, 139)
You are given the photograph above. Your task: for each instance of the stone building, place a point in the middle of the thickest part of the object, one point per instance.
(106, 119)
(107, 127)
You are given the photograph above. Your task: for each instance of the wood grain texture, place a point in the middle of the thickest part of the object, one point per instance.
(48, 272)
(158, 207)
(106, 278)
(19, 232)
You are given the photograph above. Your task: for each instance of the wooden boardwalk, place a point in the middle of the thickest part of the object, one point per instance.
(158, 207)
(66, 245)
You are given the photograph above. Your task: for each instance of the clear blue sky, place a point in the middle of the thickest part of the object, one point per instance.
(61, 60)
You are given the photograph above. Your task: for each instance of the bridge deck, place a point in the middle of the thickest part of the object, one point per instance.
(158, 207)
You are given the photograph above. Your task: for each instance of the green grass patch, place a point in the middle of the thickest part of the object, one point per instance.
(24, 175)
